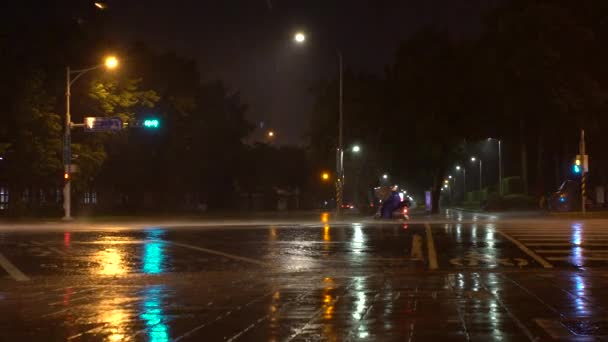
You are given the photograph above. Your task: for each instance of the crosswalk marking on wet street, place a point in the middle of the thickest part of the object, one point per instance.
(526, 250)
(12, 270)
(575, 244)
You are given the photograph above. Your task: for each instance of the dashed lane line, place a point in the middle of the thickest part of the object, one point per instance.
(526, 250)
(430, 244)
(12, 270)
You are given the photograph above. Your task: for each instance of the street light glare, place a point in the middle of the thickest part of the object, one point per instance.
(300, 37)
(100, 5)
(473, 159)
(325, 176)
(356, 149)
(450, 176)
(385, 176)
(111, 62)
(270, 134)
(458, 167)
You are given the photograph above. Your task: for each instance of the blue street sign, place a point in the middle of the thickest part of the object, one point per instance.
(95, 124)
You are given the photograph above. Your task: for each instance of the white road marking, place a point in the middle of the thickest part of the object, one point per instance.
(570, 251)
(430, 245)
(565, 244)
(53, 249)
(12, 270)
(227, 255)
(526, 250)
(572, 258)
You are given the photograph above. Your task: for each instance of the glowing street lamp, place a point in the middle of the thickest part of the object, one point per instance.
(325, 176)
(299, 37)
(356, 149)
(110, 62)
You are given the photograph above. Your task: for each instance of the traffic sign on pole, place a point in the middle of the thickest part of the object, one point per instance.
(100, 124)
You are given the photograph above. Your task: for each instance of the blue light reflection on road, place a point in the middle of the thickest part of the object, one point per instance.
(154, 251)
(153, 315)
(580, 302)
(577, 241)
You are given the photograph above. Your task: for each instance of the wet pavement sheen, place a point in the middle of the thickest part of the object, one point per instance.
(494, 281)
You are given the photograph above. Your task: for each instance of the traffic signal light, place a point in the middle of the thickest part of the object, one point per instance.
(577, 168)
(151, 123)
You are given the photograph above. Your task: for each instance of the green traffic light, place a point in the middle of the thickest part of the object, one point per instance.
(151, 123)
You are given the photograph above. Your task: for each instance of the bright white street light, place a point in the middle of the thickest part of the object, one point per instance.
(458, 167)
(473, 159)
(385, 176)
(299, 37)
(450, 176)
(356, 148)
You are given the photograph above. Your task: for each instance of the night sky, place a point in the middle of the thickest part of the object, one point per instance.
(248, 43)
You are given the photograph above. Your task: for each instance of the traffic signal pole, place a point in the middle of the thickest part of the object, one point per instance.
(583, 151)
(67, 153)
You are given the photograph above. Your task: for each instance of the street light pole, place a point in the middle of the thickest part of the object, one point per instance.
(340, 171)
(67, 153)
(499, 167)
(111, 62)
(480, 180)
(464, 182)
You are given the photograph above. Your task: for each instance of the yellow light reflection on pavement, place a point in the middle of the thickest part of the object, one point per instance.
(115, 321)
(326, 236)
(325, 217)
(110, 261)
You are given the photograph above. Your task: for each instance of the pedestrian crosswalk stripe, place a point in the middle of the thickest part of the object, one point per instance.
(560, 239)
(571, 244)
(569, 251)
(557, 244)
(574, 258)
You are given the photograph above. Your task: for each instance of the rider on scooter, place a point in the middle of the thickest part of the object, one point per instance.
(391, 203)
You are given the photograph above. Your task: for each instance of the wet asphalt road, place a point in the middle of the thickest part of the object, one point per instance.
(461, 278)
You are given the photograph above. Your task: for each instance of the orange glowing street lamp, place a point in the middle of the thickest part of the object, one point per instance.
(325, 176)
